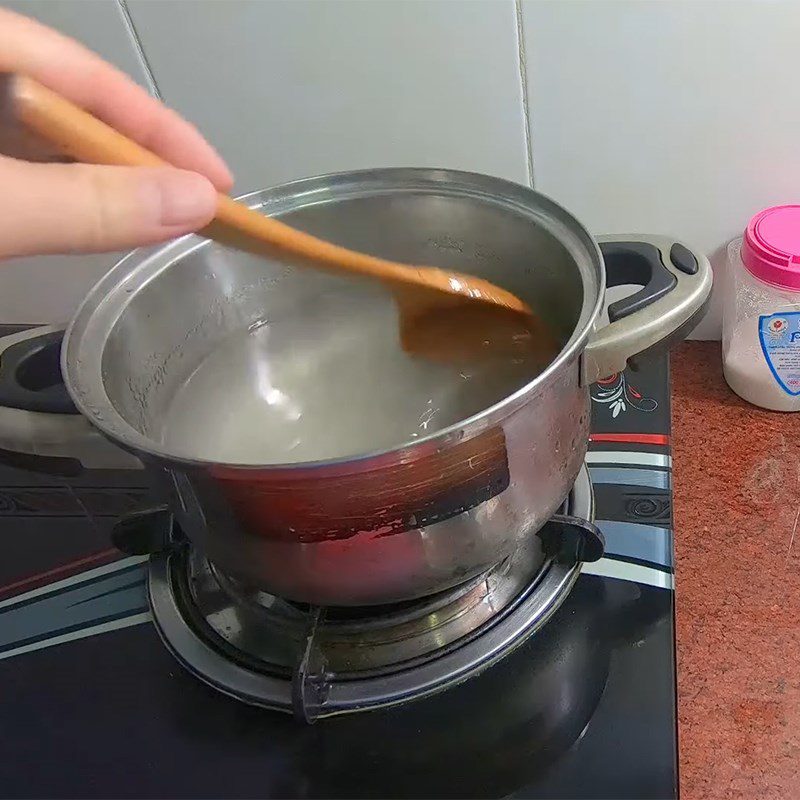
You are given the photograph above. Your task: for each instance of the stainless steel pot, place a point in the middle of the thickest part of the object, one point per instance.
(428, 514)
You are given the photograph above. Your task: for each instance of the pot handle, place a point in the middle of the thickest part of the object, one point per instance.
(40, 427)
(30, 372)
(572, 540)
(676, 288)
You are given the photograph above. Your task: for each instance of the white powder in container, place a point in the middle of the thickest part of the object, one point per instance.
(761, 325)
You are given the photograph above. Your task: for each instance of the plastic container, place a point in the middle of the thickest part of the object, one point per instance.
(761, 322)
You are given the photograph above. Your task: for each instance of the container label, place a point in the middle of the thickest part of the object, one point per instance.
(779, 335)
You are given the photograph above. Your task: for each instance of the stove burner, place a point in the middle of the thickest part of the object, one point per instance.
(318, 662)
(355, 641)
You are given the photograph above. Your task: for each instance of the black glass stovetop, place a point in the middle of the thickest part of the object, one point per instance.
(93, 705)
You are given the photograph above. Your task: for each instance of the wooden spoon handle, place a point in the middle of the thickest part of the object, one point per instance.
(83, 137)
(75, 132)
(79, 135)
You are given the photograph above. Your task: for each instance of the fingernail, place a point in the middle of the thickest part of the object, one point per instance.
(187, 199)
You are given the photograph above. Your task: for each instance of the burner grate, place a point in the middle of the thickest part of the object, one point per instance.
(316, 662)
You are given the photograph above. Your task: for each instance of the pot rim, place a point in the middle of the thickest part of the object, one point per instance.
(87, 333)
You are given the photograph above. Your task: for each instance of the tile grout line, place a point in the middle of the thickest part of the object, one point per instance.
(127, 20)
(523, 76)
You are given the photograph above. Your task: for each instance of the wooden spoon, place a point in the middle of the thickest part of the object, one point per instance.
(443, 314)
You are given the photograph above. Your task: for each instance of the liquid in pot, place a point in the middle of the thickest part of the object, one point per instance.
(331, 383)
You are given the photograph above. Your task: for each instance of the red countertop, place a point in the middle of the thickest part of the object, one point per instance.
(736, 506)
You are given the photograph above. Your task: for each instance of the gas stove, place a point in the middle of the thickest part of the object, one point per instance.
(529, 683)
(322, 661)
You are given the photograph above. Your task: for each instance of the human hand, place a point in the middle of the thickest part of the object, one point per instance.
(56, 208)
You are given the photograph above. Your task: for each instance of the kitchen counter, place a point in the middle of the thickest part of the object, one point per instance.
(736, 508)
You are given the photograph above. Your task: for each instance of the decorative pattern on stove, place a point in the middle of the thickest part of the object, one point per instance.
(634, 504)
(651, 507)
(68, 501)
(633, 509)
(631, 476)
(647, 545)
(619, 395)
(98, 600)
(636, 526)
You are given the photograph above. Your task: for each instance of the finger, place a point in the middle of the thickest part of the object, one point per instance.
(67, 67)
(63, 208)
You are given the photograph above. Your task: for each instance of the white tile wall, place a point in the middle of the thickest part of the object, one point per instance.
(292, 88)
(669, 116)
(48, 289)
(672, 116)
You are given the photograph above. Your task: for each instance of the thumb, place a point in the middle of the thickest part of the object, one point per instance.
(69, 208)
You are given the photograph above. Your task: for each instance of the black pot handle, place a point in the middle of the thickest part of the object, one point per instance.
(676, 286)
(636, 263)
(570, 540)
(30, 374)
(145, 532)
(40, 428)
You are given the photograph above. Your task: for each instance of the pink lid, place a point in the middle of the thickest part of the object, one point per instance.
(771, 247)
